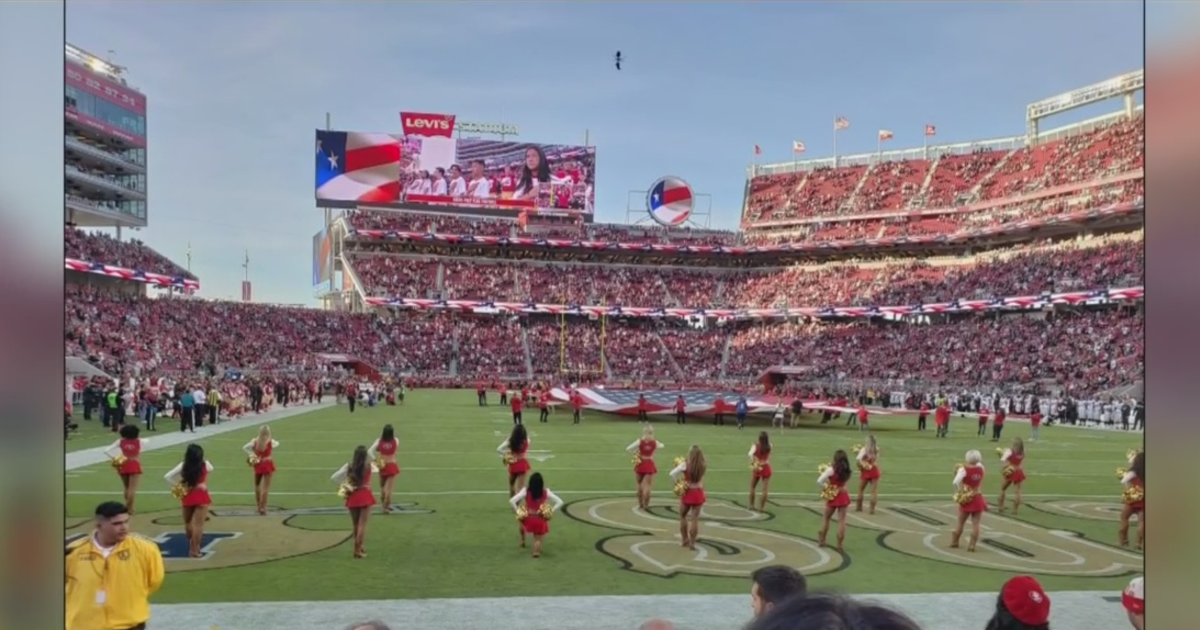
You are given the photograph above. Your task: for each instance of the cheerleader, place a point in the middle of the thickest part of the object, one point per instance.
(383, 454)
(760, 468)
(868, 473)
(1014, 475)
(258, 455)
(355, 480)
(513, 449)
(688, 476)
(833, 489)
(1134, 498)
(189, 483)
(534, 515)
(126, 454)
(971, 503)
(644, 467)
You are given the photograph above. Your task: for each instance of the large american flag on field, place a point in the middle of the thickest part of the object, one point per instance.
(362, 167)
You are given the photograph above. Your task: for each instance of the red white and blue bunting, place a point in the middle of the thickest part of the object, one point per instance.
(154, 279)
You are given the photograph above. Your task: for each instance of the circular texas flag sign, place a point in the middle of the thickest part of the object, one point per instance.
(670, 201)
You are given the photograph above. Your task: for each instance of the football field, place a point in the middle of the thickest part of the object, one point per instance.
(452, 534)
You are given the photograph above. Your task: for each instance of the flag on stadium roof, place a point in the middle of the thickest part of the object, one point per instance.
(797, 146)
(930, 130)
(884, 134)
(840, 123)
(361, 166)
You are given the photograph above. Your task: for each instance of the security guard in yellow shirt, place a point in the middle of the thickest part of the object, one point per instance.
(111, 575)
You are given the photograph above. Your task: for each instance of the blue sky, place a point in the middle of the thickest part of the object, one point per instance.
(236, 89)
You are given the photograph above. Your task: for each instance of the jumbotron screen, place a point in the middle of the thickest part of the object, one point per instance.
(428, 166)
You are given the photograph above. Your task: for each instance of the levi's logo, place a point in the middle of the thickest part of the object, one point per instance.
(427, 124)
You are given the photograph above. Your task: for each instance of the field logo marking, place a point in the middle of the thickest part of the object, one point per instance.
(1087, 510)
(923, 529)
(726, 546)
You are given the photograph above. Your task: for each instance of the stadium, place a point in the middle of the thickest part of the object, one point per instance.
(1003, 274)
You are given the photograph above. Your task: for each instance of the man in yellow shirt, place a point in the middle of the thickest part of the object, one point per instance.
(111, 575)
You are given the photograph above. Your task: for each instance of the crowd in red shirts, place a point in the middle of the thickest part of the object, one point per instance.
(107, 250)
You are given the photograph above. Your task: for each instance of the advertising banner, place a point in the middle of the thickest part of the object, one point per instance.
(106, 89)
(429, 166)
(321, 247)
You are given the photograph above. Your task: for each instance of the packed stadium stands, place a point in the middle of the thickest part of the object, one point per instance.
(1081, 349)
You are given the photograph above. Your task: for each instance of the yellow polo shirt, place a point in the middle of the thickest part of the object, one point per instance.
(111, 593)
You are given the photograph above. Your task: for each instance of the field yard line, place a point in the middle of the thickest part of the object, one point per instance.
(623, 491)
(1117, 459)
(170, 437)
(933, 611)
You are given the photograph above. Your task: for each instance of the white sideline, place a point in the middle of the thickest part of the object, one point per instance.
(1072, 610)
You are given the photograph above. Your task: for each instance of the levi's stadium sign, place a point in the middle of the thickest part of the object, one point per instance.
(500, 129)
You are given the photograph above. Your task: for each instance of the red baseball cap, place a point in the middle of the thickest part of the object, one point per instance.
(1134, 597)
(1025, 599)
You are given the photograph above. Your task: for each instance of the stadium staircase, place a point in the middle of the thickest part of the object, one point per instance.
(670, 357)
(670, 298)
(725, 354)
(918, 200)
(974, 194)
(850, 201)
(528, 355)
(454, 345)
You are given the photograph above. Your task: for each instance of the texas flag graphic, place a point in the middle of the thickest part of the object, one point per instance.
(670, 201)
(363, 167)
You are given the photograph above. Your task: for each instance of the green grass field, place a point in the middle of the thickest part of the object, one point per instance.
(456, 536)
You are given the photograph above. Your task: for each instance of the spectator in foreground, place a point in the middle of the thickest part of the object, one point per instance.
(1023, 605)
(831, 612)
(1134, 601)
(771, 585)
(657, 624)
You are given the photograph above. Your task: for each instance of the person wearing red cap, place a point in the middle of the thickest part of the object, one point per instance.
(1023, 605)
(1134, 601)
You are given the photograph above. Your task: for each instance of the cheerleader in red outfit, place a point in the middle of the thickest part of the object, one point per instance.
(644, 467)
(126, 454)
(1134, 499)
(259, 456)
(971, 503)
(355, 480)
(534, 514)
(832, 482)
(868, 473)
(1014, 475)
(189, 483)
(383, 454)
(760, 468)
(688, 476)
(513, 449)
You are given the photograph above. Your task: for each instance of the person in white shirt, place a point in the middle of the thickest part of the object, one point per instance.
(426, 187)
(480, 186)
(420, 182)
(439, 182)
(200, 399)
(458, 185)
(536, 520)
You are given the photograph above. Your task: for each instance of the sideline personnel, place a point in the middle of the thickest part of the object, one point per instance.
(111, 575)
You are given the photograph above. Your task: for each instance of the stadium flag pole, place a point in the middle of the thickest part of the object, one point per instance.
(603, 333)
(329, 218)
(562, 343)
(189, 257)
(835, 130)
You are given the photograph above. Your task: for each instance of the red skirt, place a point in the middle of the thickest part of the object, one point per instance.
(264, 467)
(976, 506)
(360, 498)
(764, 472)
(693, 496)
(841, 500)
(536, 525)
(130, 467)
(1017, 476)
(1139, 506)
(871, 474)
(519, 467)
(196, 498)
(390, 469)
(646, 467)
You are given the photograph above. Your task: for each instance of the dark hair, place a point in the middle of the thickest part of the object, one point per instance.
(1138, 466)
(479, 162)
(778, 582)
(389, 433)
(111, 509)
(528, 176)
(1004, 620)
(357, 470)
(764, 443)
(130, 431)
(831, 612)
(517, 439)
(537, 486)
(841, 466)
(368, 625)
(193, 465)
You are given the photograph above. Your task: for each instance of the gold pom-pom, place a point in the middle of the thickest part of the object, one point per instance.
(253, 460)
(965, 495)
(119, 461)
(856, 448)
(864, 466)
(509, 459)
(756, 464)
(546, 511)
(1000, 453)
(522, 513)
(829, 492)
(345, 490)
(637, 459)
(1008, 471)
(1121, 472)
(822, 468)
(178, 490)
(1133, 494)
(681, 487)
(1131, 454)
(378, 462)
(680, 460)
(959, 466)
